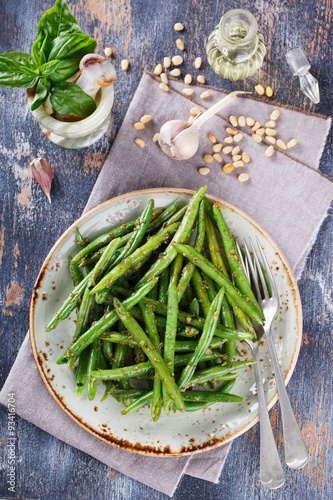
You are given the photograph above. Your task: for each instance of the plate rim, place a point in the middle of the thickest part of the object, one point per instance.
(129, 446)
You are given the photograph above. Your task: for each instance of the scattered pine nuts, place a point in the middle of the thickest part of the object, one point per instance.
(269, 151)
(195, 111)
(164, 78)
(156, 136)
(204, 170)
(241, 121)
(177, 60)
(270, 139)
(228, 140)
(124, 64)
(238, 164)
(269, 91)
(164, 87)
(178, 27)
(158, 69)
(212, 138)
(291, 143)
(139, 126)
(270, 124)
(205, 94)
(243, 177)
(236, 157)
(201, 79)
(217, 157)
(233, 120)
(145, 118)
(140, 143)
(180, 44)
(281, 144)
(250, 121)
(238, 137)
(257, 138)
(228, 168)
(167, 62)
(175, 72)
(187, 91)
(270, 131)
(231, 131)
(197, 62)
(208, 158)
(260, 131)
(246, 157)
(274, 114)
(236, 150)
(217, 147)
(259, 89)
(108, 51)
(256, 126)
(188, 79)
(226, 150)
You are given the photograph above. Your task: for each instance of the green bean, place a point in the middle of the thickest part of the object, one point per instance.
(75, 273)
(216, 372)
(163, 286)
(104, 261)
(135, 258)
(107, 350)
(195, 308)
(80, 240)
(91, 259)
(177, 217)
(81, 372)
(182, 233)
(99, 327)
(118, 338)
(228, 385)
(200, 292)
(204, 341)
(91, 382)
(163, 217)
(154, 357)
(191, 345)
(129, 393)
(82, 320)
(192, 406)
(125, 372)
(211, 397)
(138, 403)
(220, 279)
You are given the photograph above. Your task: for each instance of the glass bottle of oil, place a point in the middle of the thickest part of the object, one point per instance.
(236, 49)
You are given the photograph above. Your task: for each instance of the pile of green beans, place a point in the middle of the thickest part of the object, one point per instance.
(156, 315)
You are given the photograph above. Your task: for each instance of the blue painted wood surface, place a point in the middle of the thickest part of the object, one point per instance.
(142, 31)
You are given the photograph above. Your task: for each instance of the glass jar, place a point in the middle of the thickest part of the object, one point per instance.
(79, 134)
(236, 49)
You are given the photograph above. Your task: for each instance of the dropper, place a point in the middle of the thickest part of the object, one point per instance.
(299, 65)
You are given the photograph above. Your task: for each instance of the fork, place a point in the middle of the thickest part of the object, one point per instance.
(296, 453)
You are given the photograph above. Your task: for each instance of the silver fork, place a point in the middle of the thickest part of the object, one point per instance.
(296, 453)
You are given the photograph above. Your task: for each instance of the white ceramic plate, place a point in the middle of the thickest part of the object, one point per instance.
(176, 434)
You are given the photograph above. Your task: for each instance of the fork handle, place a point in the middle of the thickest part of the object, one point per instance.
(271, 472)
(296, 453)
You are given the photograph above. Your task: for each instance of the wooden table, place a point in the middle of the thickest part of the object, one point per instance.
(142, 31)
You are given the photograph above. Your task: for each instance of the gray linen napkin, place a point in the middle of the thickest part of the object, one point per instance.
(285, 194)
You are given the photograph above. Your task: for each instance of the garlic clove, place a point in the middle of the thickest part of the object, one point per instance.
(42, 172)
(177, 140)
(96, 71)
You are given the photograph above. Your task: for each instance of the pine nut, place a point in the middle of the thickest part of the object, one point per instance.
(242, 121)
(180, 44)
(201, 79)
(217, 157)
(188, 79)
(269, 91)
(208, 158)
(178, 27)
(164, 78)
(107, 51)
(236, 150)
(217, 147)
(195, 111)
(187, 91)
(256, 126)
(281, 144)
(231, 131)
(212, 138)
(167, 62)
(233, 120)
(226, 150)
(145, 118)
(158, 69)
(270, 131)
(139, 126)
(124, 64)
(257, 138)
(250, 121)
(204, 170)
(236, 157)
(177, 60)
(175, 72)
(197, 62)
(260, 131)
(238, 137)
(243, 177)
(291, 143)
(228, 140)
(270, 124)
(238, 164)
(140, 143)
(259, 89)
(164, 87)
(205, 94)
(228, 168)
(270, 139)
(269, 151)
(246, 157)
(156, 136)
(274, 114)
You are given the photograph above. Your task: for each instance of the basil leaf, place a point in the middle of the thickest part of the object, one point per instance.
(41, 93)
(37, 49)
(17, 69)
(77, 45)
(47, 69)
(69, 99)
(65, 69)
